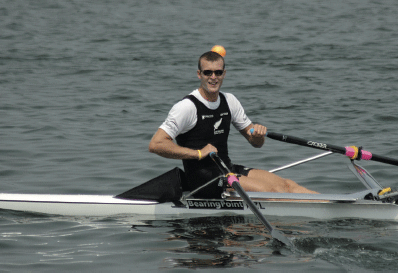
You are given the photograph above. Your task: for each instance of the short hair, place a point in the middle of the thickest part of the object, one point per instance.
(212, 57)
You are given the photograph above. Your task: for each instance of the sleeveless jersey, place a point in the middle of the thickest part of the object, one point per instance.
(212, 127)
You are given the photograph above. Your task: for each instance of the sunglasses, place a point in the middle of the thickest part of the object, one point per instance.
(210, 72)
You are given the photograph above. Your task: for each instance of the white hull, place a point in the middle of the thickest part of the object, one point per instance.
(333, 206)
(368, 204)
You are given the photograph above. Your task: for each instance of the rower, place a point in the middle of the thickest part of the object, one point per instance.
(200, 124)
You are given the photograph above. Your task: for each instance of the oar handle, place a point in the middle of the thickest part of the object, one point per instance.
(223, 167)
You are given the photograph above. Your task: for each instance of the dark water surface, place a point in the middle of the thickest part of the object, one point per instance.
(85, 84)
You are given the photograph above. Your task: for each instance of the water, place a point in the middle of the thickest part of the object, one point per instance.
(84, 85)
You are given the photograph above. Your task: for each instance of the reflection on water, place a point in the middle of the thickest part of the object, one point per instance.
(227, 241)
(205, 242)
(235, 241)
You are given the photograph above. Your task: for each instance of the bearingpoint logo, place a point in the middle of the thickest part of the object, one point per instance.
(215, 204)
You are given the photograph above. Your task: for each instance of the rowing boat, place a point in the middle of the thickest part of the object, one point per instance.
(371, 203)
(324, 206)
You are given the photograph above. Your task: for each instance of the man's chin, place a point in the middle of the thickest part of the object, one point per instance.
(213, 89)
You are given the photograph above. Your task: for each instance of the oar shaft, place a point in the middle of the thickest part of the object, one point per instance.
(308, 143)
(385, 159)
(234, 182)
(251, 205)
(348, 151)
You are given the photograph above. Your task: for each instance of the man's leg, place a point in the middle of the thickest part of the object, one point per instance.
(260, 180)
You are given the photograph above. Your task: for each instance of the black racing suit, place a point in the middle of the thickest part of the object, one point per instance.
(212, 127)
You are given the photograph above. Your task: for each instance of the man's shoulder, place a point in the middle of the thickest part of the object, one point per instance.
(188, 97)
(231, 99)
(184, 103)
(229, 96)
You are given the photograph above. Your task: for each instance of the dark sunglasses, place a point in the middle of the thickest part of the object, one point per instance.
(210, 72)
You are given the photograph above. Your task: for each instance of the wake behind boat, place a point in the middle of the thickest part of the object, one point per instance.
(163, 197)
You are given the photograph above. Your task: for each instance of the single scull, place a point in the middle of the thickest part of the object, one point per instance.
(372, 203)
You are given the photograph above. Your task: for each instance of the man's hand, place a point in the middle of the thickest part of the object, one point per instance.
(258, 131)
(205, 151)
(257, 137)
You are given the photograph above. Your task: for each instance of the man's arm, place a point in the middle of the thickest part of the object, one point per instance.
(162, 144)
(257, 138)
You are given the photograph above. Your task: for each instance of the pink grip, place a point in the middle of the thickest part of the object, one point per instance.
(366, 155)
(232, 179)
(349, 151)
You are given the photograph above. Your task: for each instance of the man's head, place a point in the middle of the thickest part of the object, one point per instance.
(210, 56)
(211, 73)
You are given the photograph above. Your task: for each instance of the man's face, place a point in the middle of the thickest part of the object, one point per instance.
(211, 83)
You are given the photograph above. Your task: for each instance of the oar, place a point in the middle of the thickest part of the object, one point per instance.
(352, 152)
(233, 181)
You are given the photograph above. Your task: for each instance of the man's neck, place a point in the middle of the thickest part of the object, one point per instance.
(212, 97)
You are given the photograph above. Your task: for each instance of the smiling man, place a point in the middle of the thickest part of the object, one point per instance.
(200, 124)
